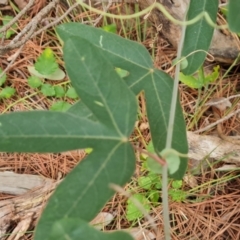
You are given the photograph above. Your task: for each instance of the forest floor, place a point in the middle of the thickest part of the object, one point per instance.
(206, 209)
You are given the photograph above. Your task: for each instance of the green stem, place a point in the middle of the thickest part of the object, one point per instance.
(160, 7)
(166, 218)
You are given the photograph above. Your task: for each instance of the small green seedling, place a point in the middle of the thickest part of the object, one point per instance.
(47, 67)
(151, 184)
(56, 91)
(176, 193)
(48, 90)
(6, 92)
(132, 212)
(200, 80)
(5, 20)
(34, 82)
(60, 106)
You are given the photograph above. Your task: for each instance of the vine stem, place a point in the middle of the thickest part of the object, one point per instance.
(166, 218)
(161, 8)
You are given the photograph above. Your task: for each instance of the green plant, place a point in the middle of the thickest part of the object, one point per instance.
(5, 20)
(200, 80)
(6, 92)
(3, 78)
(46, 66)
(104, 119)
(55, 91)
(149, 189)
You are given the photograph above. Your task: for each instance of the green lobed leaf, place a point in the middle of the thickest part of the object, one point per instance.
(7, 92)
(59, 91)
(86, 189)
(233, 16)
(34, 82)
(177, 184)
(46, 63)
(132, 211)
(61, 106)
(177, 195)
(76, 229)
(48, 90)
(198, 36)
(154, 196)
(145, 182)
(157, 85)
(71, 93)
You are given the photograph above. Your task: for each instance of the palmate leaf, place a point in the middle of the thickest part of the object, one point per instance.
(157, 85)
(86, 189)
(198, 36)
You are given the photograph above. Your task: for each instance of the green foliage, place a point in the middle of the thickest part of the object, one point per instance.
(103, 120)
(60, 106)
(198, 36)
(156, 84)
(6, 19)
(71, 93)
(172, 159)
(107, 72)
(233, 16)
(176, 193)
(48, 90)
(200, 80)
(77, 229)
(59, 91)
(3, 78)
(110, 28)
(46, 63)
(132, 211)
(34, 82)
(47, 67)
(7, 92)
(56, 91)
(150, 182)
